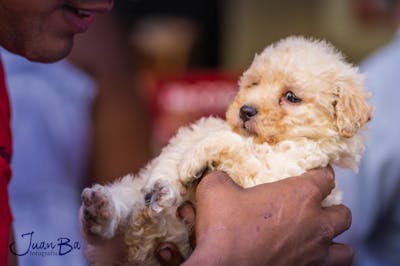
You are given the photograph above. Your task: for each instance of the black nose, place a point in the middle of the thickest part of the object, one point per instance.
(247, 112)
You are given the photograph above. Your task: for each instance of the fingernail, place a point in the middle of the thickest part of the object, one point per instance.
(165, 254)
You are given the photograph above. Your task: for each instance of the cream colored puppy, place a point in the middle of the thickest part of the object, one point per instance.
(300, 106)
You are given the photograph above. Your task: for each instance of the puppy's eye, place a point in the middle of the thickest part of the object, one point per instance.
(291, 97)
(253, 84)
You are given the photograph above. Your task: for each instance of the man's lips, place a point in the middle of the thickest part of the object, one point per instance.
(78, 19)
(93, 6)
(80, 14)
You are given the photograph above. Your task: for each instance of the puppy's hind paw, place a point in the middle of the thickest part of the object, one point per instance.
(162, 195)
(98, 212)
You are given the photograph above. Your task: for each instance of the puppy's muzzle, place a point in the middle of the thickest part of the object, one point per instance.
(247, 112)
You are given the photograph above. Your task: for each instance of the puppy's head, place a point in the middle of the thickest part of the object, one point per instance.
(299, 88)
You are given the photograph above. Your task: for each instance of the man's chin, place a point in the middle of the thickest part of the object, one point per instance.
(48, 52)
(47, 56)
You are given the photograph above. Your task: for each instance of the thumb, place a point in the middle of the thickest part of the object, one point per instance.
(212, 183)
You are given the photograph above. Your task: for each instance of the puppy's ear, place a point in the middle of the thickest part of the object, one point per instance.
(352, 109)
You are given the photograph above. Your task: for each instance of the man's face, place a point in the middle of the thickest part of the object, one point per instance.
(43, 30)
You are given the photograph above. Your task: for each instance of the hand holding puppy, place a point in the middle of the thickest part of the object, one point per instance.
(263, 226)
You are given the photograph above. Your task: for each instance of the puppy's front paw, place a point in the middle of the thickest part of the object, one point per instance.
(98, 212)
(162, 195)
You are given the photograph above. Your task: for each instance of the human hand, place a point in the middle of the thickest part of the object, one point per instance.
(280, 223)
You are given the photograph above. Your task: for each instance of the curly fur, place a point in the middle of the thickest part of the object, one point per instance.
(282, 139)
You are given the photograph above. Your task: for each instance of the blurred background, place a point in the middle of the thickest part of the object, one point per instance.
(185, 57)
(136, 76)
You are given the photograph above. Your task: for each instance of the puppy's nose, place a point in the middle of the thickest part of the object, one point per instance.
(247, 112)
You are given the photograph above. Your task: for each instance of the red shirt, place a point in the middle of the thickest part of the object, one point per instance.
(5, 170)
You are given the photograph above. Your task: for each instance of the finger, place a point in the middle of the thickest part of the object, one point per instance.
(213, 181)
(339, 216)
(321, 178)
(187, 213)
(339, 254)
(168, 255)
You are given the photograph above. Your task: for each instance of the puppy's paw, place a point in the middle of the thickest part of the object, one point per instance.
(98, 212)
(163, 195)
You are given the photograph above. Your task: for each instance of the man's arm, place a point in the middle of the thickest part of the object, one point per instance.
(280, 223)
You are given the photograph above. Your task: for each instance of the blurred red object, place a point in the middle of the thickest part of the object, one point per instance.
(181, 100)
(373, 11)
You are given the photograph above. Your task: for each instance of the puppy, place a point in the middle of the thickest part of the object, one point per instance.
(300, 106)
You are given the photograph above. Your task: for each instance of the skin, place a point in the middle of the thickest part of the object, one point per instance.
(37, 29)
(280, 223)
